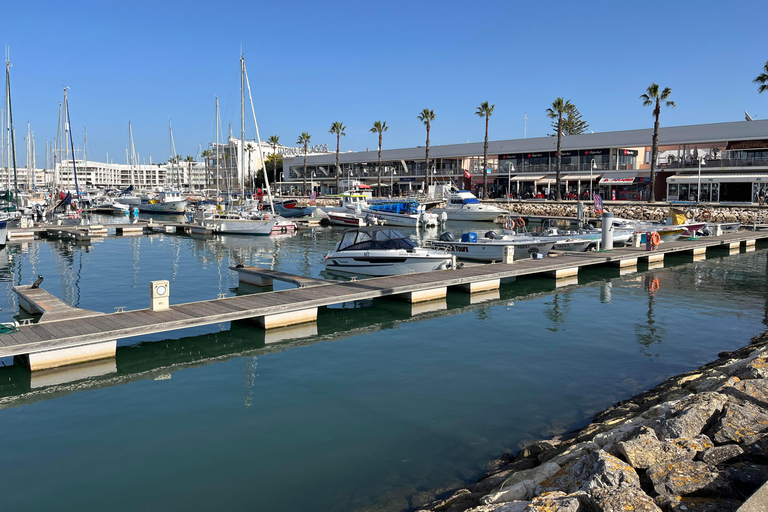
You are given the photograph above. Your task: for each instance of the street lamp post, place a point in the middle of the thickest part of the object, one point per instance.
(509, 180)
(392, 182)
(591, 168)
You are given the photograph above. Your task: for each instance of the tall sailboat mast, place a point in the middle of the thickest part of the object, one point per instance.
(217, 154)
(241, 162)
(10, 121)
(72, 144)
(258, 142)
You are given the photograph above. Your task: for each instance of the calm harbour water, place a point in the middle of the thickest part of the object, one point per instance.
(371, 406)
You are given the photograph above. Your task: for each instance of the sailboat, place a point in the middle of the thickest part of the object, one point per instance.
(241, 223)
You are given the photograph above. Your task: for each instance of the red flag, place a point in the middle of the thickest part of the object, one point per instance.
(467, 174)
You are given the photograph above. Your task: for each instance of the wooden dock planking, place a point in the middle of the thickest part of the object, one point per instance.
(103, 327)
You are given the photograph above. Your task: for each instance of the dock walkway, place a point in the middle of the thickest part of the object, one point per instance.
(299, 305)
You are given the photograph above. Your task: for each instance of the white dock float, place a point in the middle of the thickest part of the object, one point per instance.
(563, 273)
(285, 319)
(481, 286)
(424, 295)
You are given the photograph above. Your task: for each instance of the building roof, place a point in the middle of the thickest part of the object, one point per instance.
(668, 136)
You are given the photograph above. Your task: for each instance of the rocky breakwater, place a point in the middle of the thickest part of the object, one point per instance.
(715, 214)
(697, 442)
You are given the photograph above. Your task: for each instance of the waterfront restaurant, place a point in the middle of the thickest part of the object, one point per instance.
(731, 158)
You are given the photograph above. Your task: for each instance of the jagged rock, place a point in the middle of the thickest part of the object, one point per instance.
(756, 448)
(743, 478)
(520, 485)
(493, 479)
(690, 416)
(535, 449)
(739, 364)
(754, 369)
(718, 454)
(595, 470)
(644, 449)
(756, 388)
(512, 506)
(560, 502)
(739, 421)
(710, 381)
(614, 436)
(628, 499)
(689, 504)
(562, 457)
(458, 496)
(684, 477)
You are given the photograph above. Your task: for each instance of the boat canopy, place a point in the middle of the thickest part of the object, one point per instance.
(365, 239)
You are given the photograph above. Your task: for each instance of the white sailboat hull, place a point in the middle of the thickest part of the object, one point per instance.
(493, 250)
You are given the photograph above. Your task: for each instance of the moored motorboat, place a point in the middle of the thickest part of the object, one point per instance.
(166, 202)
(379, 251)
(463, 205)
(470, 247)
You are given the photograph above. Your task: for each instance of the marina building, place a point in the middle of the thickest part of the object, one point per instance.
(718, 162)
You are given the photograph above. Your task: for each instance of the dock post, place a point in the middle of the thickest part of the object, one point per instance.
(159, 292)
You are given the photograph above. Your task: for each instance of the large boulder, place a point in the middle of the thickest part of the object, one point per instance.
(559, 501)
(719, 454)
(690, 416)
(685, 477)
(689, 504)
(594, 471)
(628, 499)
(521, 485)
(755, 388)
(739, 422)
(645, 449)
(755, 369)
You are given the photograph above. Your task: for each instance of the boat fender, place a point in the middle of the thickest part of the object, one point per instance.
(520, 222)
(706, 215)
(266, 217)
(283, 229)
(260, 206)
(655, 239)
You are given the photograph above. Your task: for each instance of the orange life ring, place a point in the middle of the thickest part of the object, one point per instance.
(654, 285)
(520, 222)
(655, 239)
(508, 224)
(260, 206)
(706, 215)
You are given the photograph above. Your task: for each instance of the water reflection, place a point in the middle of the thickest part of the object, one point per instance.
(650, 332)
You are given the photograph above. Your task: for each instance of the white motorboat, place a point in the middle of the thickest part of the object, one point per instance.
(470, 247)
(393, 213)
(377, 251)
(3, 229)
(236, 224)
(463, 205)
(168, 202)
(352, 219)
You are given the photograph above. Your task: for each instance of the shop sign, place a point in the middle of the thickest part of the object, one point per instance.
(597, 152)
(747, 144)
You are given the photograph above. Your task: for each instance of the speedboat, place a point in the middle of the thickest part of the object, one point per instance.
(470, 247)
(463, 205)
(237, 224)
(378, 251)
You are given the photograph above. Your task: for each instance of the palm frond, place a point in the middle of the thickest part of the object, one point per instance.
(671, 104)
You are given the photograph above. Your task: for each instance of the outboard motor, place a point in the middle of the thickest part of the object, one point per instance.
(493, 235)
(447, 237)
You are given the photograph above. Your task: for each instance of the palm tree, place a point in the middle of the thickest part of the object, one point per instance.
(485, 110)
(426, 117)
(556, 111)
(337, 128)
(189, 161)
(304, 139)
(762, 79)
(249, 148)
(274, 140)
(207, 154)
(380, 128)
(652, 97)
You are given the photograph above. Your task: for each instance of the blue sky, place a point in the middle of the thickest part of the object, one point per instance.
(357, 62)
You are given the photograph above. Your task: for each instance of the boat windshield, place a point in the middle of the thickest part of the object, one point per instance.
(471, 200)
(375, 239)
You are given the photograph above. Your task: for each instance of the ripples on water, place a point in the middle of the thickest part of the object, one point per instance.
(370, 406)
